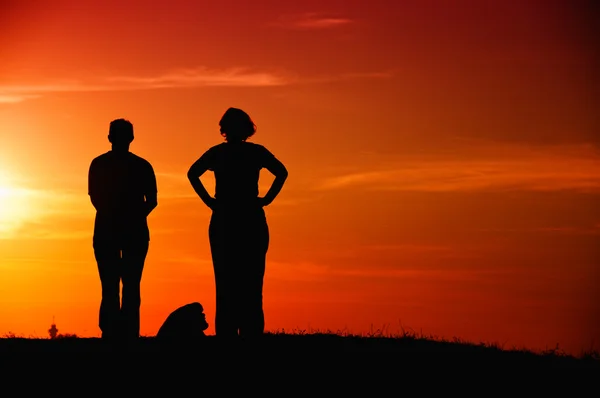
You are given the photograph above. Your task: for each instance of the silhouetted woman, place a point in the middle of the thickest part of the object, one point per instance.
(238, 231)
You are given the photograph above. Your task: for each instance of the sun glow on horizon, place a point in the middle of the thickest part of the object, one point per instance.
(15, 205)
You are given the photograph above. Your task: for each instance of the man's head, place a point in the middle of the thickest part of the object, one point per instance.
(120, 133)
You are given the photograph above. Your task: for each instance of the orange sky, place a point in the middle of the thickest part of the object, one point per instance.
(444, 160)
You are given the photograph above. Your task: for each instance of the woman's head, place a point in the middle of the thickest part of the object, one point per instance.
(236, 125)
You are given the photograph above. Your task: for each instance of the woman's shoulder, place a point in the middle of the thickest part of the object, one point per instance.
(215, 148)
(257, 147)
(248, 148)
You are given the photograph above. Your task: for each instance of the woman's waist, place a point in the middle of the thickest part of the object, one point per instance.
(238, 201)
(239, 209)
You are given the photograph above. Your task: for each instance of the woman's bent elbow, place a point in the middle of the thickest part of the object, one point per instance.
(191, 176)
(283, 173)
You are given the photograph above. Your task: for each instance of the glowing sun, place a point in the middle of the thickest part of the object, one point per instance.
(14, 204)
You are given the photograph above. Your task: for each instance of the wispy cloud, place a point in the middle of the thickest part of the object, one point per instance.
(234, 77)
(524, 170)
(9, 98)
(312, 21)
(349, 76)
(311, 271)
(410, 248)
(179, 78)
(47, 231)
(14, 93)
(579, 230)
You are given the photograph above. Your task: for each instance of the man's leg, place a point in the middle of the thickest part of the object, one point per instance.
(108, 258)
(134, 257)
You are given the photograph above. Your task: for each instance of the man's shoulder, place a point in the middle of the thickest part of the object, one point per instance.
(140, 160)
(100, 158)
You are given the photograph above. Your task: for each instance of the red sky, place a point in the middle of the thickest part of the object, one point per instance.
(444, 160)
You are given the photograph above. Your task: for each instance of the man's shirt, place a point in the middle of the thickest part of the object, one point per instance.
(118, 185)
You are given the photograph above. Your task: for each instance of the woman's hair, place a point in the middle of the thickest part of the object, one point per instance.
(236, 125)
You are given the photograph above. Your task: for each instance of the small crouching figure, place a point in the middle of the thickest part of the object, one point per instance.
(184, 325)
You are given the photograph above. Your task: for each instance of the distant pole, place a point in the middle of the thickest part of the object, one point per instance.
(53, 331)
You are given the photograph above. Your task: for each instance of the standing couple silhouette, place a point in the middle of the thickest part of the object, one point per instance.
(123, 190)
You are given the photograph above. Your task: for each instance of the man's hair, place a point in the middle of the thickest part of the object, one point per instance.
(120, 130)
(236, 125)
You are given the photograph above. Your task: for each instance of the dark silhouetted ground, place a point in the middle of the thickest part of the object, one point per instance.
(294, 364)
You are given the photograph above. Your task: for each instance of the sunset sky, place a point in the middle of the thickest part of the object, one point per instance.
(443, 158)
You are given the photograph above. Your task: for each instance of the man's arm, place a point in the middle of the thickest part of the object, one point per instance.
(151, 194)
(95, 197)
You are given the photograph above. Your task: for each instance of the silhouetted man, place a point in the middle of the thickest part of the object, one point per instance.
(122, 188)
